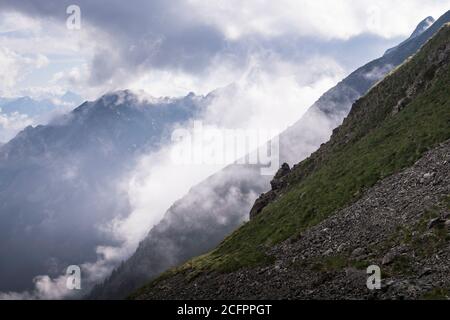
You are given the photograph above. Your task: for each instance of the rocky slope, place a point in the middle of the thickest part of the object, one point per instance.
(380, 213)
(393, 225)
(296, 143)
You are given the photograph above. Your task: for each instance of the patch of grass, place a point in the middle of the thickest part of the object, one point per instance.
(422, 226)
(428, 242)
(402, 265)
(331, 263)
(447, 202)
(360, 264)
(166, 275)
(437, 294)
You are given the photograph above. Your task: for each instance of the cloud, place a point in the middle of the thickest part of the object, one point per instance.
(14, 67)
(45, 288)
(11, 124)
(264, 98)
(122, 44)
(272, 94)
(327, 18)
(377, 73)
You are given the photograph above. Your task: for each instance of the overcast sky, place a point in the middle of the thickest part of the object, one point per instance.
(174, 47)
(280, 55)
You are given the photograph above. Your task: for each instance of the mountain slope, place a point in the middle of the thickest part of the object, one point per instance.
(296, 143)
(387, 130)
(60, 183)
(387, 226)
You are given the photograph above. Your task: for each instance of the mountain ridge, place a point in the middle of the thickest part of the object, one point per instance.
(61, 182)
(296, 143)
(387, 130)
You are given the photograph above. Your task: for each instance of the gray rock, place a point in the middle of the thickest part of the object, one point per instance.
(435, 223)
(389, 258)
(341, 247)
(357, 252)
(393, 254)
(447, 224)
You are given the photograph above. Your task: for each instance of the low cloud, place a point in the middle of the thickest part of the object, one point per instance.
(378, 73)
(45, 288)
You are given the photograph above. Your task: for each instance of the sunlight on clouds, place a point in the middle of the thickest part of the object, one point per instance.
(328, 18)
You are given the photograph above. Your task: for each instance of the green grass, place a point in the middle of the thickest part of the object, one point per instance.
(437, 294)
(447, 202)
(437, 238)
(331, 263)
(377, 144)
(336, 263)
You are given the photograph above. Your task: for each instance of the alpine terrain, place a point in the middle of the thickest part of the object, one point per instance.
(191, 226)
(377, 193)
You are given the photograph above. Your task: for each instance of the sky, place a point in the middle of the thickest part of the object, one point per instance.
(280, 56)
(170, 48)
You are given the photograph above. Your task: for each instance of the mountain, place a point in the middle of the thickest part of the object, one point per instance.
(36, 107)
(61, 182)
(152, 256)
(71, 98)
(19, 112)
(377, 193)
(421, 28)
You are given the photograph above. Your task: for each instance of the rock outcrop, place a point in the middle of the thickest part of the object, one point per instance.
(278, 183)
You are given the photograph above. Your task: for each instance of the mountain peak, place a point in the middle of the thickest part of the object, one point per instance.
(422, 26)
(420, 29)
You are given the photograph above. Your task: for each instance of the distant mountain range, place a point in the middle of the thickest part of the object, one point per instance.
(191, 228)
(19, 112)
(35, 107)
(60, 182)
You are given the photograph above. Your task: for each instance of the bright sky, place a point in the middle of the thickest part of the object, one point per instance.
(174, 47)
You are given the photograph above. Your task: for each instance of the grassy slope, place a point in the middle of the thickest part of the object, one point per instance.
(371, 144)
